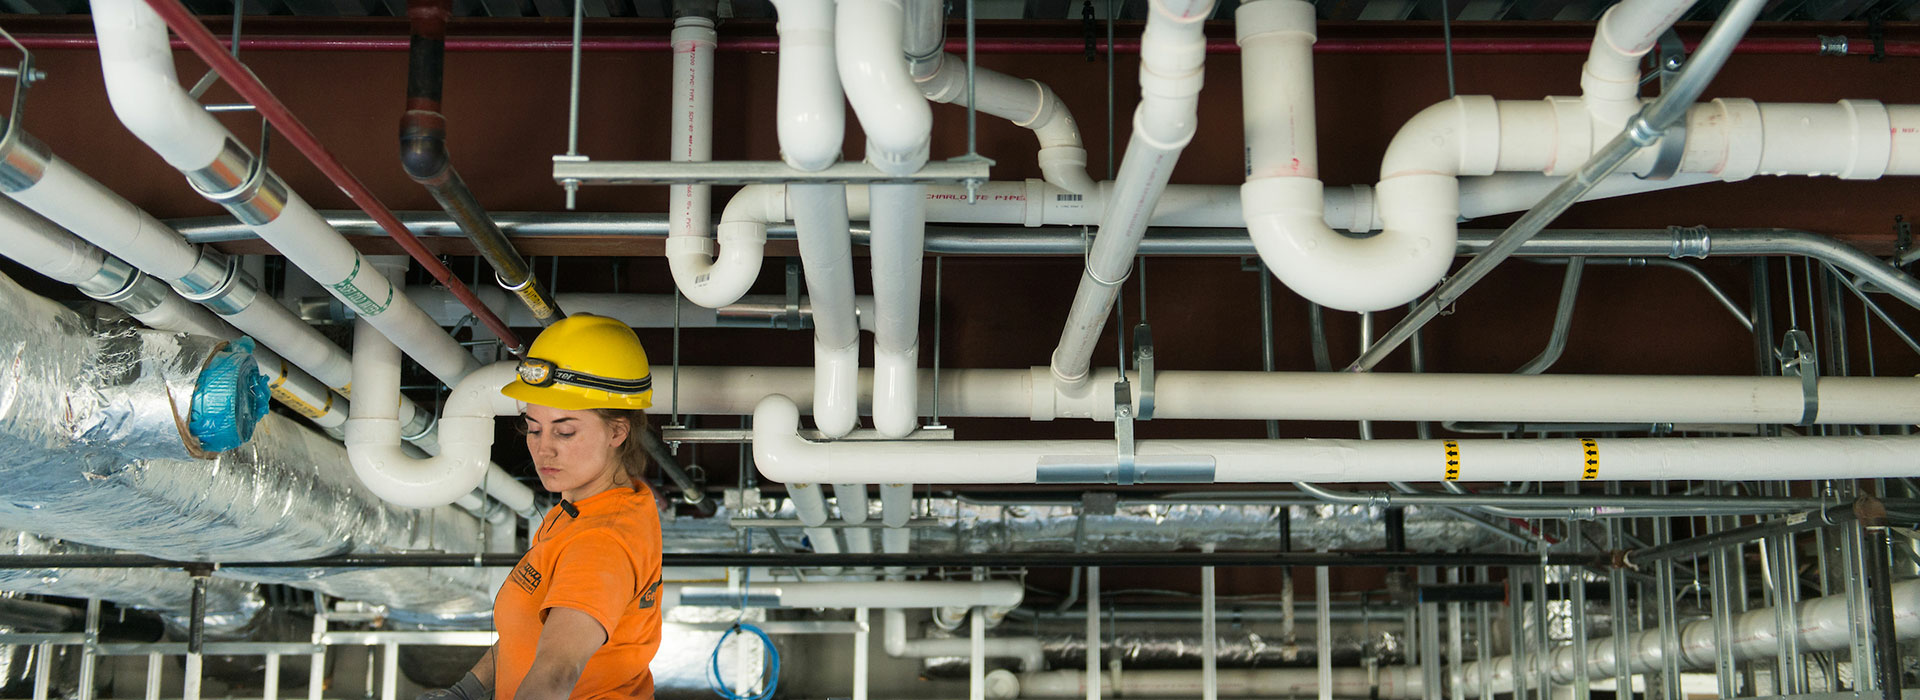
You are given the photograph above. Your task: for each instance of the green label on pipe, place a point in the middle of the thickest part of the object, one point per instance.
(358, 298)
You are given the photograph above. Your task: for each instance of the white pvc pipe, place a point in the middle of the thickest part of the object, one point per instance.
(1342, 396)
(1171, 53)
(1394, 683)
(1283, 199)
(875, 594)
(1025, 649)
(783, 456)
(137, 62)
(826, 252)
(712, 281)
(708, 280)
(811, 113)
(465, 433)
(853, 502)
(1610, 79)
(873, 70)
(899, 235)
(1028, 103)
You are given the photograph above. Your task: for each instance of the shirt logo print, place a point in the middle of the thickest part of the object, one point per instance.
(526, 577)
(651, 596)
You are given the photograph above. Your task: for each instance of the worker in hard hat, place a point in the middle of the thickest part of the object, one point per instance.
(579, 615)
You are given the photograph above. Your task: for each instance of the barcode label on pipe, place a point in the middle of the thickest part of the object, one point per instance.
(1591, 456)
(1066, 198)
(1453, 460)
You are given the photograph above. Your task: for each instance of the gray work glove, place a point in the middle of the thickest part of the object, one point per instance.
(469, 688)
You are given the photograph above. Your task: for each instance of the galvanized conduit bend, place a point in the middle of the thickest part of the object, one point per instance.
(423, 154)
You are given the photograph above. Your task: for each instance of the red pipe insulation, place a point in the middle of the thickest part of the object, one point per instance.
(195, 35)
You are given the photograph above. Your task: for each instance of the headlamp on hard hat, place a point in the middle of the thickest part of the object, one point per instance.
(541, 373)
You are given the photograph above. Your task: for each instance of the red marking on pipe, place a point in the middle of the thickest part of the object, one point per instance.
(203, 43)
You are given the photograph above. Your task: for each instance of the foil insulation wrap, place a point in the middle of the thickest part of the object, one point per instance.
(978, 528)
(84, 407)
(231, 604)
(680, 666)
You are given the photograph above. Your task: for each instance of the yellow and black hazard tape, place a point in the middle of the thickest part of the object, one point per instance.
(1453, 460)
(1592, 459)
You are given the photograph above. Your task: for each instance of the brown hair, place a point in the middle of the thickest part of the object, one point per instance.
(632, 452)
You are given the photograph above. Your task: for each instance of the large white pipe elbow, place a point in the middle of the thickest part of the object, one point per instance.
(836, 388)
(1610, 79)
(1027, 103)
(892, 112)
(811, 111)
(1284, 202)
(465, 429)
(137, 62)
(1285, 221)
(717, 274)
(826, 251)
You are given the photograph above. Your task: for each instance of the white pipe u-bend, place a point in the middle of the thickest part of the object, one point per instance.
(466, 431)
(709, 275)
(873, 70)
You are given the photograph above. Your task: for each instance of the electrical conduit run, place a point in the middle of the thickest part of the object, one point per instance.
(898, 126)
(146, 94)
(1171, 53)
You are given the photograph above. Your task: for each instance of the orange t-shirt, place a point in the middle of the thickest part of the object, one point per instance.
(604, 562)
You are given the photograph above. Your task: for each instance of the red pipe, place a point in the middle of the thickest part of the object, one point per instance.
(196, 37)
(1027, 46)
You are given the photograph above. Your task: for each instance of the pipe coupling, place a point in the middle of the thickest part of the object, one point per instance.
(423, 423)
(1690, 242)
(242, 183)
(217, 282)
(136, 294)
(1833, 45)
(113, 277)
(23, 160)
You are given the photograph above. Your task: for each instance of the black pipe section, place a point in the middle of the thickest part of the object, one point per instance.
(1887, 665)
(690, 490)
(1037, 560)
(423, 154)
(1396, 522)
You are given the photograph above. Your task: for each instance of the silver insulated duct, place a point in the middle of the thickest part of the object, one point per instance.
(91, 451)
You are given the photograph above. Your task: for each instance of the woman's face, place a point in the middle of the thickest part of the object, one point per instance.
(573, 451)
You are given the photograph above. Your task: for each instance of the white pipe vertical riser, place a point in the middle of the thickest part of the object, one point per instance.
(897, 252)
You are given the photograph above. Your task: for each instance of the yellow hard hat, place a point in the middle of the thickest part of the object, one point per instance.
(584, 361)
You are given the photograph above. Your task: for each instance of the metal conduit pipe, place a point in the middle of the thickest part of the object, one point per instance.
(1673, 242)
(1821, 624)
(423, 154)
(690, 491)
(636, 310)
(1392, 683)
(230, 604)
